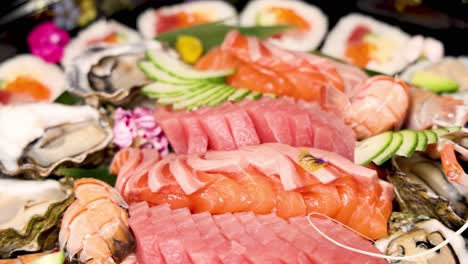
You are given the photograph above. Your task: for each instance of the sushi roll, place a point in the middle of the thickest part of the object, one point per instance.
(368, 43)
(153, 22)
(27, 78)
(100, 32)
(445, 76)
(310, 23)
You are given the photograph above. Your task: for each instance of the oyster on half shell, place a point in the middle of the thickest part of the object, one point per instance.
(422, 236)
(30, 213)
(36, 138)
(109, 73)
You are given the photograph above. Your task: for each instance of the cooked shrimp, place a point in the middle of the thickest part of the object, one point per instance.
(447, 147)
(380, 104)
(428, 109)
(94, 228)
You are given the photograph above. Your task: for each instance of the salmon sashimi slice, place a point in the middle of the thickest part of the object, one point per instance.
(268, 178)
(269, 69)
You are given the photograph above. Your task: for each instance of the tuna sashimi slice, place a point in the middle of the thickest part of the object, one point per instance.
(261, 126)
(173, 251)
(246, 238)
(302, 128)
(233, 258)
(242, 128)
(175, 132)
(279, 125)
(218, 132)
(197, 140)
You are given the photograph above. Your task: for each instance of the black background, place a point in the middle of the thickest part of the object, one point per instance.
(446, 20)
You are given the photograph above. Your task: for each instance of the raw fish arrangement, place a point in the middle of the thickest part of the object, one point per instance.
(209, 135)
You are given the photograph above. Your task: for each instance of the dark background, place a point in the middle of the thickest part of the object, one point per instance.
(446, 20)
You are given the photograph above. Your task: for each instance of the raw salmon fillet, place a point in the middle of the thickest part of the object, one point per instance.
(269, 69)
(262, 179)
(165, 235)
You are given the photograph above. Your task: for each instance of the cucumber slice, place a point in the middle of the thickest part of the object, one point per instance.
(440, 131)
(185, 96)
(53, 258)
(422, 141)
(199, 98)
(410, 142)
(158, 89)
(453, 129)
(213, 94)
(370, 148)
(397, 140)
(156, 74)
(431, 136)
(239, 94)
(254, 95)
(228, 91)
(177, 68)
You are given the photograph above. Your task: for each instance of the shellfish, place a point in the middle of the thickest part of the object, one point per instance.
(36, 138)
(109, 73)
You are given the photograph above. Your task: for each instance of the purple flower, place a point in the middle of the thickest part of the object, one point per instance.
(67, 14)
(138, 128)
(48, 41)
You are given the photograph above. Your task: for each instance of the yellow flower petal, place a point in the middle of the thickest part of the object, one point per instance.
(190, 48)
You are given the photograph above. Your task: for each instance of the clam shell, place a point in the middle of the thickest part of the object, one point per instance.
(78, 71)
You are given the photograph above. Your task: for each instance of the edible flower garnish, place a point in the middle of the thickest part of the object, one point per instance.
(309, 162)
(190, 48)
(48, 41)
(138, 128)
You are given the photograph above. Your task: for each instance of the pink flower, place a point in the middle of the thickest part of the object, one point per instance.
(138, 128)
(48, 41)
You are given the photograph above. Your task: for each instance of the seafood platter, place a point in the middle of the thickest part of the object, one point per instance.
(209, 134)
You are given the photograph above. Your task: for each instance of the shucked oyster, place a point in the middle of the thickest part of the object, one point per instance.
(109, 73)
(421, 188)
(30, 213)
(421, 237)
(36, 138)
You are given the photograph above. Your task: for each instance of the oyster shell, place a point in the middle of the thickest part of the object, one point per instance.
(30, 213)
(422, 236)
(109, 73)
(421, 188)
(36, 138)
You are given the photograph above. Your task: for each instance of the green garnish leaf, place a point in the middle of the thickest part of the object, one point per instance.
(100, 173)
(67, 98)
(212, 34)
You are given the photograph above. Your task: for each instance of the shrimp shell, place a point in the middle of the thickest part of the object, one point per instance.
(380, 104)
(94, 228)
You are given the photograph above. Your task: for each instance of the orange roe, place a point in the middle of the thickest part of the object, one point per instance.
(24, 85)
(360, 53)
(178, 20)
(110, 38)
(287, 16)
(185, 19)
